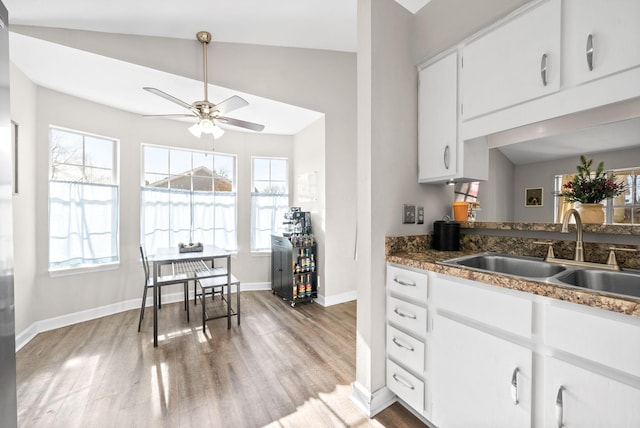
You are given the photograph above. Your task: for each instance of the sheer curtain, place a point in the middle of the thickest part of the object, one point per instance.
(170, 217)
(267, 215)
(83, 224)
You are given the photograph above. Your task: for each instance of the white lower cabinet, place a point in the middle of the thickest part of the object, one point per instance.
(479, 380)
(407, 337)
(468, 354)
(575, 397)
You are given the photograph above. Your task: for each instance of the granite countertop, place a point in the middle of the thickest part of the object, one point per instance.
(428, 260)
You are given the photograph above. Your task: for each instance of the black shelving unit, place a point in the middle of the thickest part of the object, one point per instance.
(294, 269)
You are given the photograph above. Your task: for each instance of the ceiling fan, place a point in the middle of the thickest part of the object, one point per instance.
(209, 115)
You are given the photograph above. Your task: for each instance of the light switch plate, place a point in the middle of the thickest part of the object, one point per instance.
(420, 215)
(408, 214)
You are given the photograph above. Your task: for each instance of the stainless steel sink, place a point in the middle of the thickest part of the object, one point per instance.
(527, 267)
(626, 283)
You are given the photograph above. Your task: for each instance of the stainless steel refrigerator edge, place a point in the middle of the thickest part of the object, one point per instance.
(8, 402)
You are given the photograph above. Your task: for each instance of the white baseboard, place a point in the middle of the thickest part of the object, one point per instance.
(32, 331)
(337, 299)
(371, 403)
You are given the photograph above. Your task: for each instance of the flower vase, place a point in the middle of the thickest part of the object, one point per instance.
(591, 213)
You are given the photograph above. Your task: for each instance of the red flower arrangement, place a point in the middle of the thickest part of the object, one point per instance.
(591, 188)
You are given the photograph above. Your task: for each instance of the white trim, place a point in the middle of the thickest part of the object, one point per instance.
(337, 299)
(371, 403)
(32, 331)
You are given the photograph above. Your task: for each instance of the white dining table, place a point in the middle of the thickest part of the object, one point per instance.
(173, 256)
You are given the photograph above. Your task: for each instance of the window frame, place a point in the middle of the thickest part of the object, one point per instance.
(115, 183)
(253, 194)
(193, 192)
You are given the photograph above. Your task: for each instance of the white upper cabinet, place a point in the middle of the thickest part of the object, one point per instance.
(515, 62)
(438, 119)
(601, 37)
(442, 154)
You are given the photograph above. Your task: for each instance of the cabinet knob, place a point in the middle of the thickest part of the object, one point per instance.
(590, 52)
(543, 69)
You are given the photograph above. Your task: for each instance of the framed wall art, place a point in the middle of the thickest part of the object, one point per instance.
(533, 197)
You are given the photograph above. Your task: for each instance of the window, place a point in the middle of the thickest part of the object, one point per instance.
(269, 200)
(623, 209)
(187, 196)
(466, 192)
(83, 199)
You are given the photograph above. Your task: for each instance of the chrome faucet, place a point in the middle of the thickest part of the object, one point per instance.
(579, 257)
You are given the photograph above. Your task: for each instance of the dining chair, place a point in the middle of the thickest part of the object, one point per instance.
(162, 281)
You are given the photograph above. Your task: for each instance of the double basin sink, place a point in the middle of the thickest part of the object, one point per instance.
(623, 283)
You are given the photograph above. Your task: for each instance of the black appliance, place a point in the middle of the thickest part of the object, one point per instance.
(297, 222)
(446, 235)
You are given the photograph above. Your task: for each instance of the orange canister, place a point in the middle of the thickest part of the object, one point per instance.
(460, 211)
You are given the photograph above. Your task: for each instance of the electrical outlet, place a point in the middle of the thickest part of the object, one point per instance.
(408, 214)
(420, 215)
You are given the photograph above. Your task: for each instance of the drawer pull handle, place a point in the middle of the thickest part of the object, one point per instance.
(400, 345)
(514, 386)
(560, 408)
(406, 284)
(403, 315)
(403, 382)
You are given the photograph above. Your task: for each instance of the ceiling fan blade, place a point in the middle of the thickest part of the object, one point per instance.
(169, 116)
(230, 104)
(241, 123)
(166, 96)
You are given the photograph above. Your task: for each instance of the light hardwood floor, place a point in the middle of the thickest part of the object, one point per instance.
(282, 367)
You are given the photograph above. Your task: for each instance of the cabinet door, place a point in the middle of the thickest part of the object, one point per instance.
(507, 65)
(479, 380)
(587, 399)
(615, 34)
(438, 120)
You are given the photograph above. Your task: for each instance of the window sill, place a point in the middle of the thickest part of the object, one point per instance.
(79, 270)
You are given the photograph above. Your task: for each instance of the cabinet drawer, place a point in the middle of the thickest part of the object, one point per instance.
(603, 339)
(405, 349)
(407, 316)
(406, 386)
(481, 303)
(407, 283)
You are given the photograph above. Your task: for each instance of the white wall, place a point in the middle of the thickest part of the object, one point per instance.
(23, 112)
(541, 174)
(387, 170)
(497, 190)
(52, 297)
(319, 80)
(324, 81)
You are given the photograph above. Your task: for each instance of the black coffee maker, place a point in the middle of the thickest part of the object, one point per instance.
(297, 222)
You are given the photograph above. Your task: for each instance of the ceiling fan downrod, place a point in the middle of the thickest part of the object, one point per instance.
(204, 37)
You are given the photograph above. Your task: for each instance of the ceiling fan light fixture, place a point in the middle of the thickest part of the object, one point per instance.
(206, 126)
(217, 132)
(196, 130)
